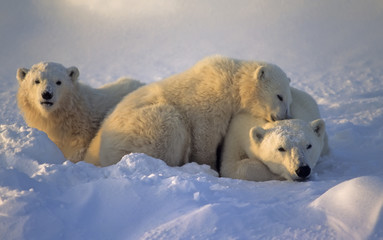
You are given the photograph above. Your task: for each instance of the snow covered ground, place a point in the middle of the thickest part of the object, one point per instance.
(331, 49)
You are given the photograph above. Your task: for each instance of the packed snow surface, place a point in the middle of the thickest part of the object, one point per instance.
(331, 49)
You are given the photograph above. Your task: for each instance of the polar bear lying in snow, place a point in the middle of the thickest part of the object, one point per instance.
(287, 149)
(52, 100)
(185, 117)
(257, 150)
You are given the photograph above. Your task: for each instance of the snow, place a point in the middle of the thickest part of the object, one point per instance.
(332, 50)
(339, 204)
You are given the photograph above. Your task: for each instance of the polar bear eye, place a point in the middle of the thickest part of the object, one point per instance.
(58, 83)
(37, 81)
(309, 146)
(280, 98)
(281, 149)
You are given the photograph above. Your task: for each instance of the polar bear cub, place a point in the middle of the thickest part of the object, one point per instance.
(185, 117)
(249, 146)
(52, 100)
(259, 151)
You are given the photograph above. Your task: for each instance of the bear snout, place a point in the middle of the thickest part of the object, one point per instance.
(278, 117)
(47, 95)
(275, 118)
(303, 171)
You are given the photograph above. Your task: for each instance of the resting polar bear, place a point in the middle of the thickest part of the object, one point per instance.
(185, 117)
(286, 149)
(52, 100)
(259, 151)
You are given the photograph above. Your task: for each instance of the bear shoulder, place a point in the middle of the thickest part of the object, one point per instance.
(303, 106)
(101, 100)
(306, 108)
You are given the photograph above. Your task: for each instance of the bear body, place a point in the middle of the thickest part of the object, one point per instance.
(185, 117)
(257, 150)
(251, 155)
(52, 100)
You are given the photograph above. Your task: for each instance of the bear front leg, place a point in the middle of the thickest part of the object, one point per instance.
(252, 170)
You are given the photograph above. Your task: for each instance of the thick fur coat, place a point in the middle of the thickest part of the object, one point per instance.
(52, 100)
(185, 117)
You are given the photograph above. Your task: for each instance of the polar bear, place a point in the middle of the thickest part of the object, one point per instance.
(52, 100)
(257, 150)
(185, 117)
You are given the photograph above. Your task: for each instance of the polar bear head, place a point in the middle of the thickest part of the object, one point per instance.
(46, 86)
(265, 91)
(291, 148)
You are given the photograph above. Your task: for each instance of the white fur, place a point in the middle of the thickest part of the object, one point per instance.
(259, 151)
(240, 159)
(71, 112)
(185, 117)
(305, 107)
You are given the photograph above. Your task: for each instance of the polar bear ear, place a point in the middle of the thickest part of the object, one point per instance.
(21, 73)
(257, 134)
(73, 73)
(260, 73)
(318, 127)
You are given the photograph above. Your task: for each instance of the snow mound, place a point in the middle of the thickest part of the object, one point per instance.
(354, 208)
(24, 142)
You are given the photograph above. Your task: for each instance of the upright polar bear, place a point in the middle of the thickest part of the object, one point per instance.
(185, 117)
(52, 100)
(258, 150)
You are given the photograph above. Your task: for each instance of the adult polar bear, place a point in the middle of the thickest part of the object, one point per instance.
(259, 151)
(52, 100)
(185, 117)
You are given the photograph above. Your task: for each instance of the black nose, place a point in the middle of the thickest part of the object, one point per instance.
(303, 172)
(47, 95)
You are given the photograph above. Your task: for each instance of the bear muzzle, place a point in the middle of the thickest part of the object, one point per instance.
(275, 118)
(280, 116)
(47, 99)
